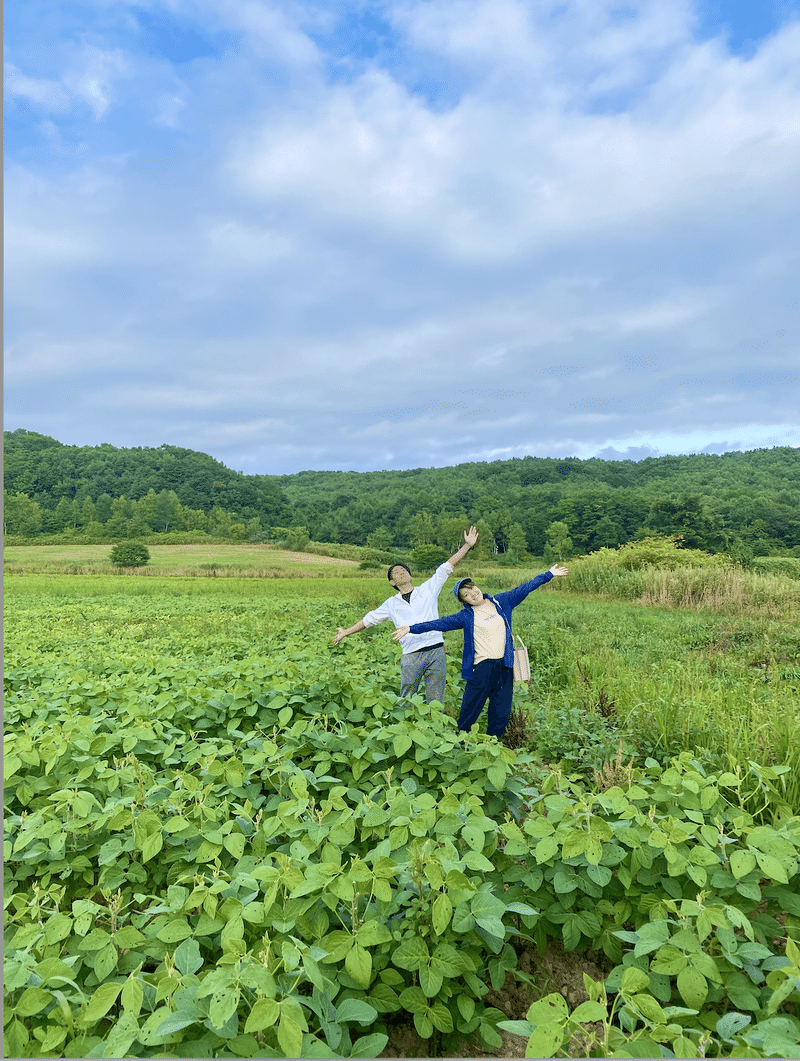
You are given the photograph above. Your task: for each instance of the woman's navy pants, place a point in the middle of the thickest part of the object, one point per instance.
(491, 680)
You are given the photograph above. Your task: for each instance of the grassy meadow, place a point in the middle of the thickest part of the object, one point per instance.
(192, 561)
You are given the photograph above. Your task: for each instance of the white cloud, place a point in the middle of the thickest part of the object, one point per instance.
(48, 94)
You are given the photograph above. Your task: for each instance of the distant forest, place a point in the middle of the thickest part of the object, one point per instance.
(734, 501)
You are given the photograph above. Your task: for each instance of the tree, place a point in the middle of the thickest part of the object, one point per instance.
(485, 544)
(558, 545)
(120, 516)
(421, 528)
(380, 539)
(607, 534)
(66, 514)
(167, 511)
(129, 554)
(428, 557)
(297, 538)
(517, 543)
(20, 514)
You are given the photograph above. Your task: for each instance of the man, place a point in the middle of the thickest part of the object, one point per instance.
(423, 654)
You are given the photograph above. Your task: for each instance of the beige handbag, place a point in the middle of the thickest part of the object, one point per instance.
(522, 666)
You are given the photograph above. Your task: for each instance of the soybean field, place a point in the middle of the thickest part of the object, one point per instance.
(226, 838)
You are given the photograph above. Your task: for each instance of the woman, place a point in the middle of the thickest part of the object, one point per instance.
(488, 660)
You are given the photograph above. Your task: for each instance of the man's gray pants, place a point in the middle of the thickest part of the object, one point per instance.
(429, 665)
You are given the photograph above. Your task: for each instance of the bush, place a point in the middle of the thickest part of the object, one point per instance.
(777, 565)
(428, 557)
(129, 554)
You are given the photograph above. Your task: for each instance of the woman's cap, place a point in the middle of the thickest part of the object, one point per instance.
(461, 582)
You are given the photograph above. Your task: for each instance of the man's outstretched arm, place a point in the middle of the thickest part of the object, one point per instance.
(341, 632)
(470, 537)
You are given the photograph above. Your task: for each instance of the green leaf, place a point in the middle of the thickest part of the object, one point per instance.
(223, 1005)
(693, 987)
(151, 845)
(649, 1008)
(411, 954)
(356, 1009)
(32, 1000)
(634, 979)
(430, 980)
(402, 743)
(772, 867)
(369, 1045)
(100, 1003)
(187, 957)
(176, 1022)
(132, 995)
(548, 1010)
(546, 849)
(290, 1034)
(263, 1015)
(573, 844)
(497, 775)
(588, 1011)
(372, 933)
(441, 914)
(234, 843)
(474, 837)
(58, 927)
(358, 964)
(441, 1017)
(731, 1024)
(545, 1041)
(413, 999)
(128, 937)
(105, 961)
(669, 961)
(466, 1007)
(741, 863)
(121, 1036)
(175, 931)
(423, 1024)
(594, 851)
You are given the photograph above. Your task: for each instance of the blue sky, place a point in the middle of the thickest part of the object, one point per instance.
(389, 235)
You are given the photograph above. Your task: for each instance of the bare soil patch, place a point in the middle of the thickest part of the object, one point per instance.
(555, 970)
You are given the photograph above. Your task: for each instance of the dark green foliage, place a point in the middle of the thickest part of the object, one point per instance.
(48, 471)
(428, 557)
(129, 554)
(742, 502)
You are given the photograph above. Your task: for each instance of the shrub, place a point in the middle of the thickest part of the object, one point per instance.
(129, 554)
(427, 557)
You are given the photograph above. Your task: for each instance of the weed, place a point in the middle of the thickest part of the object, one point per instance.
(614, 772)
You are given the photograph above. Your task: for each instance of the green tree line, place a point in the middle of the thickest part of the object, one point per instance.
(544, 506)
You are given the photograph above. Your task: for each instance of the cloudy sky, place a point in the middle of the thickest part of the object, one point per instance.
(403, 233)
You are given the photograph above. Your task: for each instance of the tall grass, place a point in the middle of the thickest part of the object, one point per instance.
(728, 590)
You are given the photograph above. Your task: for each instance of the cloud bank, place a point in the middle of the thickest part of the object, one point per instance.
(402, 234)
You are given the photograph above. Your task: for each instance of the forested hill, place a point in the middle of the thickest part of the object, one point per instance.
(47, 471)
(713, 500)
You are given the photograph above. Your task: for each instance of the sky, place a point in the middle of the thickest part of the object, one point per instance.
(413, 233)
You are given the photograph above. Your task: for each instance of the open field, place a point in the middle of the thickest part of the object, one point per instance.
(225, 837)
(207, 559)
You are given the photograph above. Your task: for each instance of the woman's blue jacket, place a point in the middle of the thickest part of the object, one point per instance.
(505, 604)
